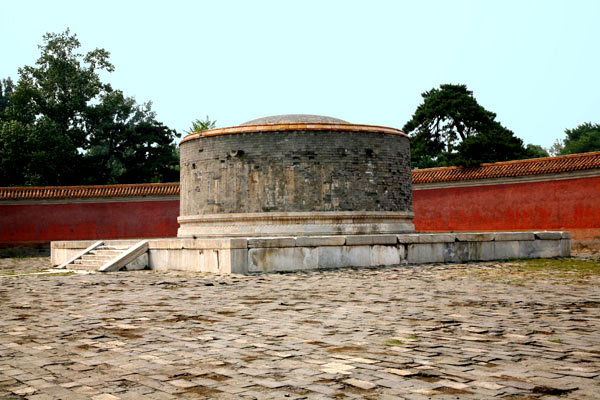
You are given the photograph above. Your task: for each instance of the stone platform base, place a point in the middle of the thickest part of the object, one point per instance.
(289, 224)
(252, 255)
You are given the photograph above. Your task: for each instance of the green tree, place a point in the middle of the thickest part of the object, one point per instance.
(537, 151)
(6, 89)
(582, 139)
(201, 125)
(556, 148)
(63, 125)
(131, 146)
(451, 128)
(489, 146)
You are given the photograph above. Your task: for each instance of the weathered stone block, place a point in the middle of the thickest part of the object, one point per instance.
(436, 237)
(455, 252)
(483, 251)
(386, 255)
(507, 250)
(282, 259)
(460, 252)
(60, 256)
(540, 249)
(361, 240)
(475, 237)
(228, 243)
(509, 236)
(233, 261)
(420, 253)
(330, 256)
(139, 263)
(71, 244)
(408, 238)
(566, 235)
(272, 242)
(402, 252)
(317, 241)
(565, 247)
(356, 256)
(184, 260)
(209, 259)
(548, 235)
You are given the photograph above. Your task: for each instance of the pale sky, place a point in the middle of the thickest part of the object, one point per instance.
(536, 64)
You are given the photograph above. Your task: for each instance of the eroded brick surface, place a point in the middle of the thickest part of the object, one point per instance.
(414, 332)
(295, 171)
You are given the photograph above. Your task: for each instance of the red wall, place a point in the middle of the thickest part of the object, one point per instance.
(571, 204)
(42, 223)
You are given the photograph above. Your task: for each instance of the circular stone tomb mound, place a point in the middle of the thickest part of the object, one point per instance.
(293, 175)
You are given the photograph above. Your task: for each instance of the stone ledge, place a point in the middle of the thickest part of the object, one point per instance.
(358, 240)
(406, 238)
(231, 243)
(71, 244)
(82, 244)
(272, 242)
(272, 254)
(436, 238)
(316, 241)
(475, 237)
(507, 236)
(548, 235)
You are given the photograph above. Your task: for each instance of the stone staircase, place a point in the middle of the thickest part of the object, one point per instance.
(95, 259)
(106, 258)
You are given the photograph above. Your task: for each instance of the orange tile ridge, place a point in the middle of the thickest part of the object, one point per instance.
(299, 126)
(91, 191)
(528, 167)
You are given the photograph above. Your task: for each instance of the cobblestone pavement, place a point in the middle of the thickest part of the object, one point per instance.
(23, 265)
(420, 332)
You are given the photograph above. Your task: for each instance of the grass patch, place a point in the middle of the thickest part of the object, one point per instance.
(561, 265)
(555, 340)
(411, 337)
(68, 273)
(579, 271)
(394, 342)
(574, 270)
(13, 274)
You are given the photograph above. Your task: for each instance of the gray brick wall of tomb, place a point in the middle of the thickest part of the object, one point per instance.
(295, 171)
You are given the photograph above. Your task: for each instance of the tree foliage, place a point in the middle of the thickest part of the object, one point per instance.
(201, 125)
(6, 89)
(451, 128)
(62, 125)
(489, 146)
(537, 151)
(582, 139)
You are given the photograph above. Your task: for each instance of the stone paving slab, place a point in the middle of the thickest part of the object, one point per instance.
(23, 265)
(436, 331)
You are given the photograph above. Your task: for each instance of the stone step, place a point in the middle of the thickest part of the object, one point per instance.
(97, 263)
(84, 267)
(96, 257)
(110, 253)
(110, 247)
(112, 258)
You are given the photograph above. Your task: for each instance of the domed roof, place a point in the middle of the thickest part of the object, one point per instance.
(292, 122)
(294, 118)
